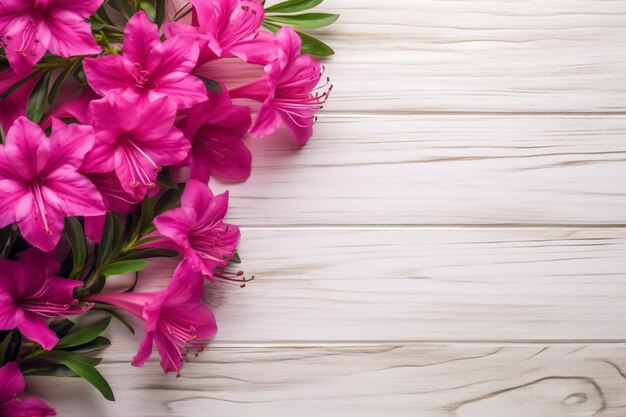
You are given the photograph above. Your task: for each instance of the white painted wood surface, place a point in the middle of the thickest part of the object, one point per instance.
(450, 243)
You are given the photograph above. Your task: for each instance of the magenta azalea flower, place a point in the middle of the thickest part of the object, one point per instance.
(228, 28)
(134, 138)
(288, 91)
(40, 182)
(198, 229)
(30, 292)
(215, 129)
(30, 27)
(12, 384)
(148, 67)
(175, 317)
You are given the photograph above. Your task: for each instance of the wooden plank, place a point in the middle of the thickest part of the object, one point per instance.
(474, 56)
(429, 380)
(423, 285)
(439, 170)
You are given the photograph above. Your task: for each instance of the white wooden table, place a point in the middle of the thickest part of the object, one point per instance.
(451, 242)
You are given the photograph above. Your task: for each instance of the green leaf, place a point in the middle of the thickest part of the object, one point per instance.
(37, 99)
(83, 367)
(84, 335)
(292, 6)
(124, 267)
(49, 370)
(108, 310)
(210, 85)
(167, 182)
(306, 20)
(235, 259)
(111, 238)
(98, 343)
(76, 238)
(148, 7)
(63, 328)
(5, 339)
(310, 45)
(122, 6)
(58, 83)
(160, 12)
(148, 253)
(313, 46)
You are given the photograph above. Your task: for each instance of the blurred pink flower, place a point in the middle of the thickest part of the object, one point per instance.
(30, 292)
(226, 28)
(215, 129)
(115, 198)
(134, 138)
(197, 227)
(148, 67)
(14, 105)
(40, 182)
(11, 385)
(175, 317)
(30, 27)
(289, 91)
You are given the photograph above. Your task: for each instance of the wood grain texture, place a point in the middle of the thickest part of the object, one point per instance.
(439, 170)
(475, 56)
(423, 284)
(366, 380)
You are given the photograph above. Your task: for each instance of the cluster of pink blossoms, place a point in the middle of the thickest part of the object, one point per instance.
(142, 118)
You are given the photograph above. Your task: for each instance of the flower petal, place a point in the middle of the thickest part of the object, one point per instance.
(33, 231)
(68, 36)
(107, 74)
(11, 382)
(174, 224)
(36, 329)
(142, 42)
(74, 195)
(145, 350)
(27, 148)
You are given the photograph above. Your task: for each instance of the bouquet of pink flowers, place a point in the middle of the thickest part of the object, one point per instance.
(105, 107)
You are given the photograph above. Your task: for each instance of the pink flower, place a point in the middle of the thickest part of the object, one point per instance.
(15, 104)
(30, 27)
(198, 229)
(134, 138)
(148, 67)
(40, 182)
(288, 91)
(30, 292)
(228, 28)
(215, 129)
(175, 317)
(11, 385)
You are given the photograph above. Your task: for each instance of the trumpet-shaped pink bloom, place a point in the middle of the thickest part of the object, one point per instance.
(40, 182)
(289, 91)
(215, 129)
(226, 28)
(30, 292)
(148, 67)
(134, 138)
(175, 317)
(30, 27)
(197, 227)
(12, 384)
